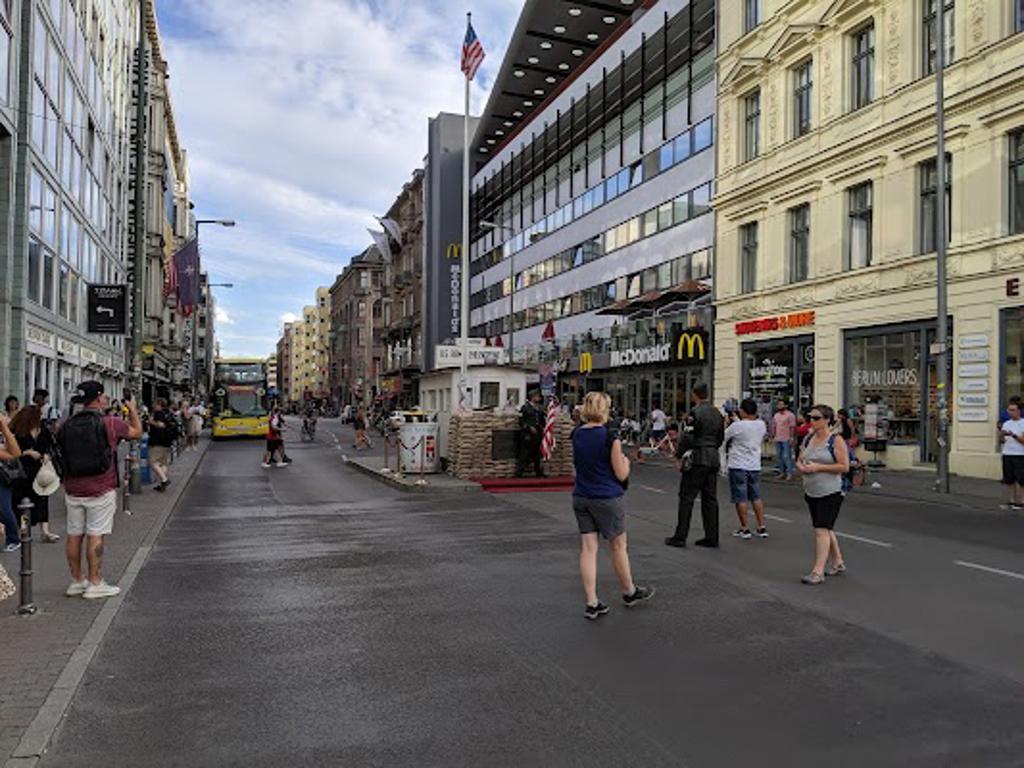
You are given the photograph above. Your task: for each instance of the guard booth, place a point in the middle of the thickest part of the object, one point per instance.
(488, 387)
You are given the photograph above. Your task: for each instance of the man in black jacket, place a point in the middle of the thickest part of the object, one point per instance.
(697, 451)
(163, 431)
(531, 433)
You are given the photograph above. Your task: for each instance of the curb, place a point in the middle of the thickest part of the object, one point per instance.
(409, 486)
(39, 733)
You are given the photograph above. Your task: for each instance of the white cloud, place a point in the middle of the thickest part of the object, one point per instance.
(222, 317)
(302, 119)
(288, 317)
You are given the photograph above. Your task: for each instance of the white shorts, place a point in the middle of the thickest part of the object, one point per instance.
(92, 515)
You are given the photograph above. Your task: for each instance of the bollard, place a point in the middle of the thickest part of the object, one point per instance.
(126, 486)
(387, 460)
(27, 606)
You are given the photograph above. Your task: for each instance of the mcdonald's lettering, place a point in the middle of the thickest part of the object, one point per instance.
(691, 347)
(454, 251)
(586, 363)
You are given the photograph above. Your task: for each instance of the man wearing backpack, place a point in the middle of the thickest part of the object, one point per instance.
(88, 443)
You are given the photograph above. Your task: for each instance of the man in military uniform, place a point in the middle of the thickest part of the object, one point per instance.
(698, 456)
(531, 433)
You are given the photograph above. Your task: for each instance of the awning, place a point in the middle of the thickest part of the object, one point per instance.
(684, 291)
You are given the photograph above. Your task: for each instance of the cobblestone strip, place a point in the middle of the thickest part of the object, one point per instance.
(46, 655)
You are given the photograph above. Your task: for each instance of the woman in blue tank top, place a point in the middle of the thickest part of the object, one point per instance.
(602, 470)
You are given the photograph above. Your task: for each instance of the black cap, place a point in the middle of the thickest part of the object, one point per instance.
(87, 392)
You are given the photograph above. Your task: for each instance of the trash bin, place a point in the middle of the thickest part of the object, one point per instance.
(412, 454)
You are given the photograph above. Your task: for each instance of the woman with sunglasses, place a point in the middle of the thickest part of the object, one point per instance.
(824, 460)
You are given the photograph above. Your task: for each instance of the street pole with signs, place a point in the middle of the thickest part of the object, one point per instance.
(138, 305)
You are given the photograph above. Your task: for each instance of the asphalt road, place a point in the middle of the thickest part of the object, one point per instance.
(309, 616)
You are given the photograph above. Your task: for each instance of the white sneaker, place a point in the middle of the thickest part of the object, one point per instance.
(95, 591)
(76, 588)
(265, 464)
(280, 464)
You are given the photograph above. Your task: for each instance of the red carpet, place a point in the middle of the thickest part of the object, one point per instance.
(525, 484)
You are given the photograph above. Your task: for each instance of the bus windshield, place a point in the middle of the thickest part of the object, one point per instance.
(240, 390)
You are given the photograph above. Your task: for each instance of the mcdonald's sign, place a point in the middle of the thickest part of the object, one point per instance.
(691, 346)
(586, 363)
(454, 251)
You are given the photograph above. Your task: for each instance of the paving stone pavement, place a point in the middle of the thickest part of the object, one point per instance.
(37, 648)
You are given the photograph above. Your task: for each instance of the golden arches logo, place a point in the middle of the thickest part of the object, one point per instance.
(454, 251)
(692, 343)
(586, 363)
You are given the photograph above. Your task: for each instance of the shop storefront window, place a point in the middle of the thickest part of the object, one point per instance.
(890, 366)
(886, 369)
(775, 371)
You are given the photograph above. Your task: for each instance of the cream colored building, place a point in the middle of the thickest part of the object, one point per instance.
(825, 253)
(315, 365)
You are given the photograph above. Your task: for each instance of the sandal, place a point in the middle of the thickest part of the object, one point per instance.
(813, 579)
(50, 538)
(837, 570)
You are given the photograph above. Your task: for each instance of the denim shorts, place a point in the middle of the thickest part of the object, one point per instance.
(744, 485)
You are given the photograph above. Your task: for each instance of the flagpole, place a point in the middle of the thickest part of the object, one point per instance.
(464, 337)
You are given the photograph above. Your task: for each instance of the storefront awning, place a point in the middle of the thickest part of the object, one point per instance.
(685, 291)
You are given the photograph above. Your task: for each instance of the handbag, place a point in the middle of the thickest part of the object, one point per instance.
(6, 585)
(11, 471)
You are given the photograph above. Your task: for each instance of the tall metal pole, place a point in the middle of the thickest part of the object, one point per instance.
(511, 308)
(464, 320)
(942, 309)
(139, 250)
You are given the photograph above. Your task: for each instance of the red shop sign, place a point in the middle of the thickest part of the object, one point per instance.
(777, 323)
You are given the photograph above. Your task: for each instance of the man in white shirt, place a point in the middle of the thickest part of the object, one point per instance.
(659, 425)
(1012, 431)
(743, 440)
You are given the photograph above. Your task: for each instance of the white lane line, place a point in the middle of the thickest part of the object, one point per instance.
(873, 542)
(652, 489)
(777, 518)
(987, 569)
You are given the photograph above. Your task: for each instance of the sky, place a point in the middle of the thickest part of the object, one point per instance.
(302, 119)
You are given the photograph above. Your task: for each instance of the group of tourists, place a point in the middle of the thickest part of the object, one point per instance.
(41, 450)
(602, 475)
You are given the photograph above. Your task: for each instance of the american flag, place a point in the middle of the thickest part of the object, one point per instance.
(472, 53)
(547, 448)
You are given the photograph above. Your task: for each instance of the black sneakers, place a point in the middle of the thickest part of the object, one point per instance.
(640, 594)
(595, 611)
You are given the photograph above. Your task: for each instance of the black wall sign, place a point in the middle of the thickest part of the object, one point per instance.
(108, 309)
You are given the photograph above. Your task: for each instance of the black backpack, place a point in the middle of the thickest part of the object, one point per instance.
(83, 446)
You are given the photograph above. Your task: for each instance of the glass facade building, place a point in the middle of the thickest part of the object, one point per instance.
(71, 81)
(596, 187)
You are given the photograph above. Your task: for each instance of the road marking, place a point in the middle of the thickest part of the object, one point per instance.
(873, 542)
(987, 569)
(652, 489)
(777, 518)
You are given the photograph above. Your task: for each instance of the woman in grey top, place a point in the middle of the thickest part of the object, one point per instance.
(824, 459)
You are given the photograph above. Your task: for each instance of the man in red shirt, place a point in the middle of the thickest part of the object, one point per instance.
(91, 500)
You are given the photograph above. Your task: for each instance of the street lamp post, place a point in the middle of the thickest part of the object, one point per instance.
(942, 309)
(195, 315)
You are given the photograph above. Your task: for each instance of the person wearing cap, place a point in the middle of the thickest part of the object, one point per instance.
(92, 500)
(36, 445)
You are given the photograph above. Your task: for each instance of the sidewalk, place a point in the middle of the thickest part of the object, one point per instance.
(38, 650)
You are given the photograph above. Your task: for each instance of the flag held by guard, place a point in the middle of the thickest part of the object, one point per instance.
(472, 52)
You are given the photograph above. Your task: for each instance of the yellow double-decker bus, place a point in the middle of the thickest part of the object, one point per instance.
(240, 400)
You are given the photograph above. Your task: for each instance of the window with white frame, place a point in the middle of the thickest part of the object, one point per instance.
(803, 90)
(863, 67)
(860, 225)
(752, 125)
(799, 243)
(748, 257)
